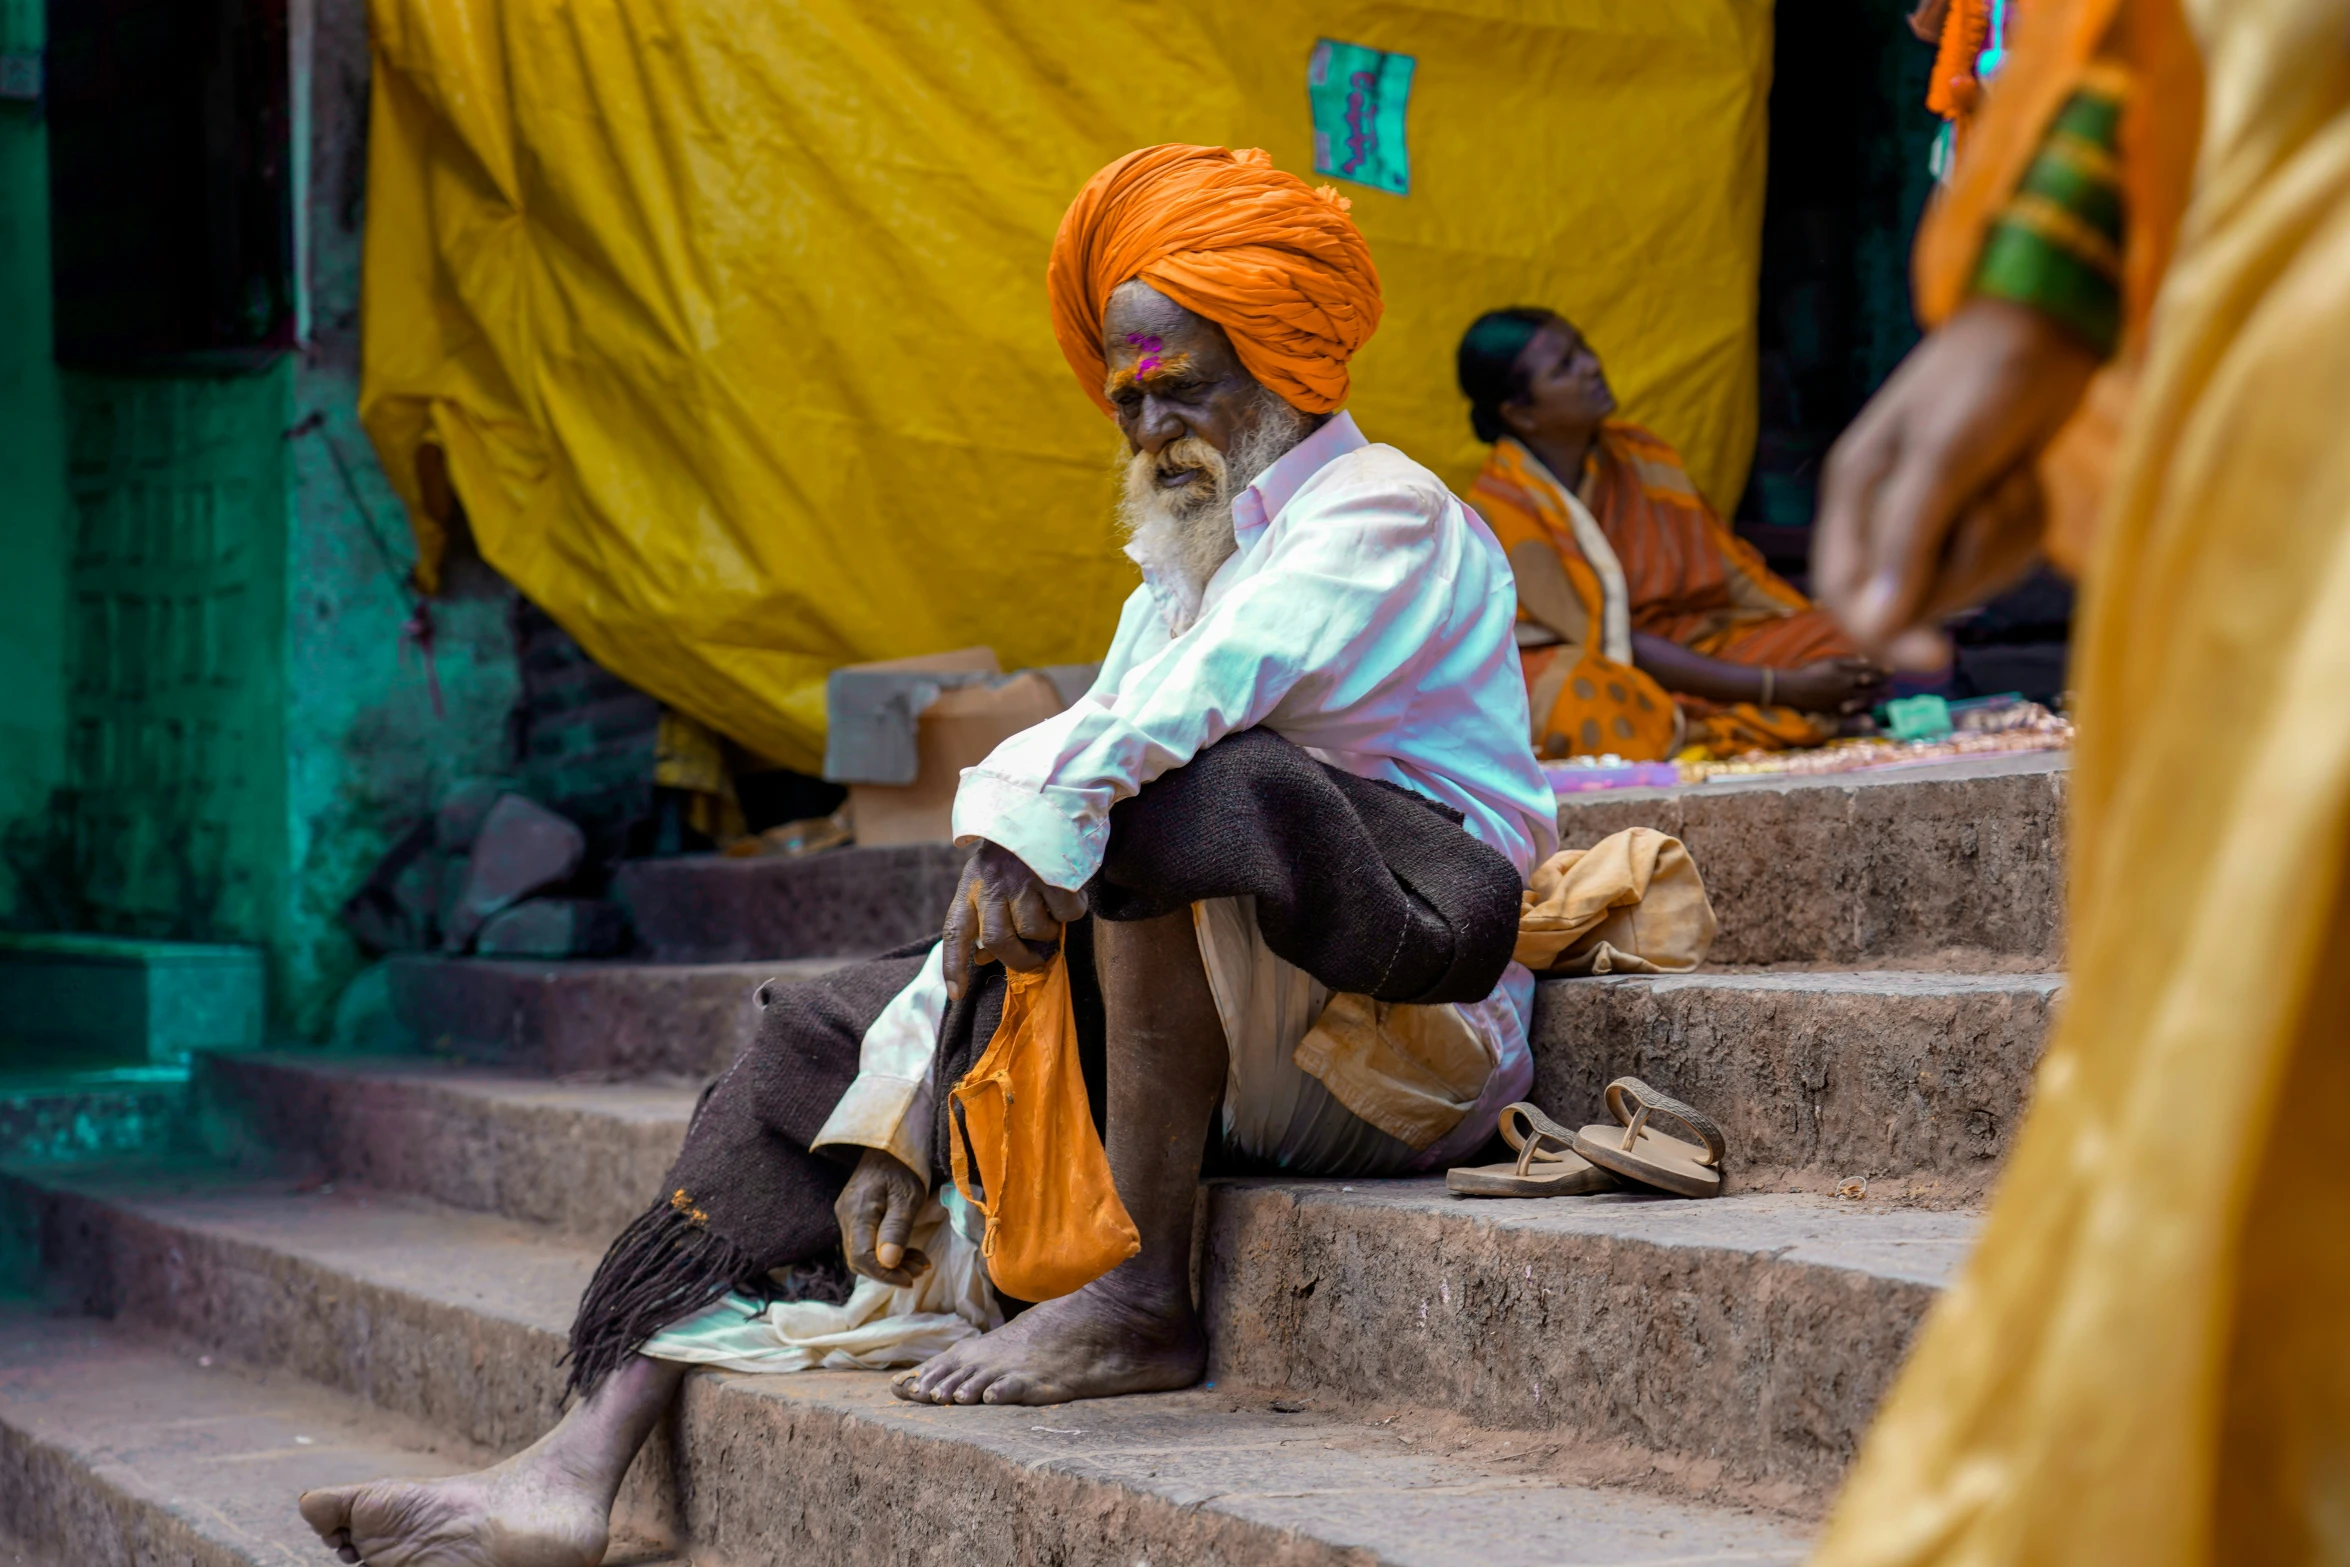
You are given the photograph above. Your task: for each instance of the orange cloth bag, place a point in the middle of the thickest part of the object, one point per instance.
(1054, 1221)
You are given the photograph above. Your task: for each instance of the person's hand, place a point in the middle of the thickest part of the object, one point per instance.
(876, 1212)
(1830, 685)
(1928, 503)
(1003, 913)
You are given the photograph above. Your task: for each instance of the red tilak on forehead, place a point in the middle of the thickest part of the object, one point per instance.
(1151, 348)
(1154, 365)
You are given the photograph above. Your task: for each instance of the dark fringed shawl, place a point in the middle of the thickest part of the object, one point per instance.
(1370, 888)
(746, 1194)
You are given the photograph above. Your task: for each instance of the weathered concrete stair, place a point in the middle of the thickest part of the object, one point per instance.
(1959, 862)
(118, 1449)
(710, 929)
(1601, 1380)
(593, 1019)
(1950, 867)
(1803, 1302)
(708, 908)
(1913, 1079)
(454, 1320)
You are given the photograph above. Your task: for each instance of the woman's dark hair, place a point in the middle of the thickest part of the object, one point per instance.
(1488, 364)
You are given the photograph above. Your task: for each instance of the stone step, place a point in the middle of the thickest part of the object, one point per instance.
(709, 908)
(1955, 862)
(119, 1449)
(605, 1020)
(579, 1158)
(1911, 1081)
(104, 1113)
(114, 1449)
(1741, 1341)
(1950, 864)
(1751, 1334)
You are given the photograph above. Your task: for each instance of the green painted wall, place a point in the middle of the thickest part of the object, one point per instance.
(365, 751)
(211, 722)
(33, 517)
(177, 697)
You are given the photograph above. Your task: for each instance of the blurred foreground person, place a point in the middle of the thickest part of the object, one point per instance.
(1629, 586)
(2141, 280)
(1299, 791)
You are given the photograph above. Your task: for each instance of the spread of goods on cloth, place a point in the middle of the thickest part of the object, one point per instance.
(1912, 731)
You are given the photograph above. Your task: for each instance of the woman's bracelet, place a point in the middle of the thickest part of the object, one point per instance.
(1770, 688)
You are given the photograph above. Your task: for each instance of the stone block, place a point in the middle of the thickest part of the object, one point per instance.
(90, 1001)
(1914, 1080)
(1957, 864)
(115, 1449)
(555, 928)
(456, 1322)
(463, 810)
(853, 902)
(595, 1018)
(70, 1117)
(1755, 1332)
(522, 848)
(579, 1158)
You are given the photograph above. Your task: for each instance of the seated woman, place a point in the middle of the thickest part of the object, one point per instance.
(1629, 586)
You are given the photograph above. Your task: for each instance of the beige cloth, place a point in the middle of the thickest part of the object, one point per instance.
(1632, 903)
(1326, 1083)
(1413, 1072)
(878, 1327)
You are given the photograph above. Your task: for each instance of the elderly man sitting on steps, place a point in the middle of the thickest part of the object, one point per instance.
(1301, 788)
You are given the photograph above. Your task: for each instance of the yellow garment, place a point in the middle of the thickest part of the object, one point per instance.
(732, 319)
(688, 757)
(2147, 1361)
(1632, 903)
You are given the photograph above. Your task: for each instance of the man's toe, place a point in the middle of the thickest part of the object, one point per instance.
(932, 1383)
(1012, 1389)
(328, 1509)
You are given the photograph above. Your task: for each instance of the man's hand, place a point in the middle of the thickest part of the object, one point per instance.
(876, 1212)
(1929, 503)
(1003, 913)
(1830, 685)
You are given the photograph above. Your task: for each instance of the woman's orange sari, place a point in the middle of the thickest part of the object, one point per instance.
(1685, 577)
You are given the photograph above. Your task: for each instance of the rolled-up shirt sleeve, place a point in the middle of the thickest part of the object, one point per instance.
(889, 1105)
(1340, 603)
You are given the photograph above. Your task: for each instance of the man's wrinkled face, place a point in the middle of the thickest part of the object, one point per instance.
(1199, 429)
(1566, 389)
(1173, 376)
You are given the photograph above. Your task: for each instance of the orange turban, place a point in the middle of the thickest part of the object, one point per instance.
(1278, 265)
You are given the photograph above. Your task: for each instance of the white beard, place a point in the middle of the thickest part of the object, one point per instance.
(1181, 537)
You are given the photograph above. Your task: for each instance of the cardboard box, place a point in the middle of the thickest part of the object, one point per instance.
(954, 732)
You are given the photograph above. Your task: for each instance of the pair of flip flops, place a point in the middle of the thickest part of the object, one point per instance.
(1554, 1162)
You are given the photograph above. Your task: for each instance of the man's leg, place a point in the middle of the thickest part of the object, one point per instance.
(549, 1505)
(1133, 1330)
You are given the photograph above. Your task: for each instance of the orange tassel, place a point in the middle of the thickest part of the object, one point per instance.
(1953, 91)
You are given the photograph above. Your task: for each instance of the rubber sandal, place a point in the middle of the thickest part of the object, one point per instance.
(1547, 1164)
(1635, 1150)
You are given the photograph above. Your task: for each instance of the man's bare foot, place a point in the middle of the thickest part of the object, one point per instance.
(522, 1513)
(1088, 1345)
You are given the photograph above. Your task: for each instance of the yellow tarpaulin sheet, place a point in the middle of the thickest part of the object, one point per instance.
(732, 321)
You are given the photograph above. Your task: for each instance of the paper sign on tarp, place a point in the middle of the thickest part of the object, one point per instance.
(732, 319)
